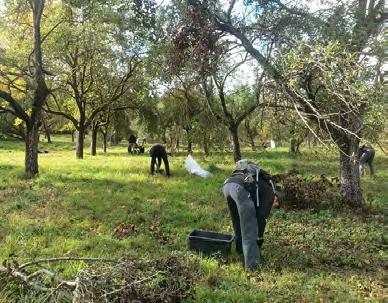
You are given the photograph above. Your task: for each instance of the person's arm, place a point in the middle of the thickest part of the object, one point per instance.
(267, 177)
(276, 201)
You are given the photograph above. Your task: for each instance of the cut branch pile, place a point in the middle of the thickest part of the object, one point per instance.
(301, 192)
(168, 279)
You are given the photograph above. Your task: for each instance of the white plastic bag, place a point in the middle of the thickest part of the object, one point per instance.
(194, 168)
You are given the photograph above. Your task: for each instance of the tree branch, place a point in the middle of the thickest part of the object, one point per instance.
(53, 260)
(59, 113)
(7, 110)
(18, 110)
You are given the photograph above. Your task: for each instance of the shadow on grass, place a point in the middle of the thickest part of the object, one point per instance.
(7, 167)
(337, 257)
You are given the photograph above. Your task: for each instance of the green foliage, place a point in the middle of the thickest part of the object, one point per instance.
(339, 86)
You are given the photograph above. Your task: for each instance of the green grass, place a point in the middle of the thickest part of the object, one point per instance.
(74, 206)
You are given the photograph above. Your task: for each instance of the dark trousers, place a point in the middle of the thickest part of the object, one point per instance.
(159, 159)
(131, 147)
(367, 159)
(243, 213)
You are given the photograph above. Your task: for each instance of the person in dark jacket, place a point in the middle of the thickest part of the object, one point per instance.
(248, 216)
(366, 156)
(132, 143)
(159, 153)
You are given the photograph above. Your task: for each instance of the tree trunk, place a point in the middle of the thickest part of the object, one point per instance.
(80, 143)
(164, 137)
(105, 140)
(115, 138)
(250, 134)
(252, 141)
(32, 141)
(294, 148)
(48, 136)
(93, 142)
(350, 175)
(206, 147)
(177, 144)
(72, 136)
(172, 142)
(236, 142)
(47, 132)
(188, 128)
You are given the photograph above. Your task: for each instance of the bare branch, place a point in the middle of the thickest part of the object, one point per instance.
(59, 259)
(51, 30)
(18, 110)
(7, 110)
(300, 13)
(47, 109)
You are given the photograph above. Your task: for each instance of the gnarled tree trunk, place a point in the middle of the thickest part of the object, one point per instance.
(32, 141)
(349, 171)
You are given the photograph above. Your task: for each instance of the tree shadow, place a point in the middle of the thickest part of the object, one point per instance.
(281, 255)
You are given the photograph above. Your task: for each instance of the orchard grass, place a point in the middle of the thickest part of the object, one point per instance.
(332, 254)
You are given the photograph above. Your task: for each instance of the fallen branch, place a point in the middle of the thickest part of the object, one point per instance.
(168, 279)
(52, 260)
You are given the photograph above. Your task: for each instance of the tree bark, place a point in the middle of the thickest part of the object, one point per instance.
(251, 135)
(236, 142)
(72, 136)
(349, 171)
(32, 141)
(47, 132)
(48, 136)
(105, 140)
(93, 142)
(252, 141)
(177, 144)
(80, 143)
(206, 147)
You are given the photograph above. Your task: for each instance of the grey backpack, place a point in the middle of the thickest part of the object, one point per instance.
(252, 171)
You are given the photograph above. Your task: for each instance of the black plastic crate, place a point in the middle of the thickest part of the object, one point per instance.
(210, 242)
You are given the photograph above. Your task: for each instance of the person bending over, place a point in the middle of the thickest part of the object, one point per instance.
(250, 197)
(366, 156)
(158, 153)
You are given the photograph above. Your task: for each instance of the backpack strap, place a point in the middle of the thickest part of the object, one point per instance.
(257, 187)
